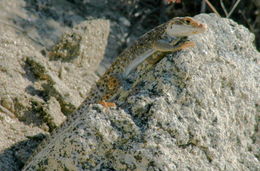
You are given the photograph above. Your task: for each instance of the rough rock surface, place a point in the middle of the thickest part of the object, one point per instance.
(197, 109)
(18, 126)
(37, 90)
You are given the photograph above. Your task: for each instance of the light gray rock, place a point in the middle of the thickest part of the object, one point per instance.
(17, 123)
(84, 45)
(73, 61)
(35, 91)
(197, 109)
(53, 113)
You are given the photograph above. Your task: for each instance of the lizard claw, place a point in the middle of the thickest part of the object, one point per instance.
(186, 45)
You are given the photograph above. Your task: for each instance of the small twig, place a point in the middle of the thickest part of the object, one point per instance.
(172, 1)
(223, 7)
(212, 7)
(203, 7)
(246, 20)
(233, 8)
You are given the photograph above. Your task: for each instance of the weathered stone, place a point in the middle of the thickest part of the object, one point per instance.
(29, 80)
(195, 110)
(84, 45)
(54, 116)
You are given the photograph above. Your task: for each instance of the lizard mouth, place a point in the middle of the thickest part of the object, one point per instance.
(203, 27)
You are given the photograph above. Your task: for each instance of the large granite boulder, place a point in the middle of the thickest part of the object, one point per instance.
(197, 109)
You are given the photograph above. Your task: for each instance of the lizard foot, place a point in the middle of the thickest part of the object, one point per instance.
(162, 46)
(107, 104)
(185, 45)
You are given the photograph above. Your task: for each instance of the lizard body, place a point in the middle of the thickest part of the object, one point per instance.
(168, 37)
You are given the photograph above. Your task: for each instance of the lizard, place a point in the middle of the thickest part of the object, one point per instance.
(152, 46)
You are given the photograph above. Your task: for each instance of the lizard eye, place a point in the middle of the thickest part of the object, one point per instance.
(187, 21)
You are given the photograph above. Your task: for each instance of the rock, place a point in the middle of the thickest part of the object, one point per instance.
(16, 121)
(69, 99)
(54, 116)
(7, 102)
(84, 45)
(72, 61)
(195, 110)
(17, 142)
(31, 84)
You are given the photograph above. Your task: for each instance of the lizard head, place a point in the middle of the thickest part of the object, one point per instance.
(184, 26)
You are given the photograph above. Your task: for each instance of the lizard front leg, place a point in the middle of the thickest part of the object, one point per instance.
(163, 48)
